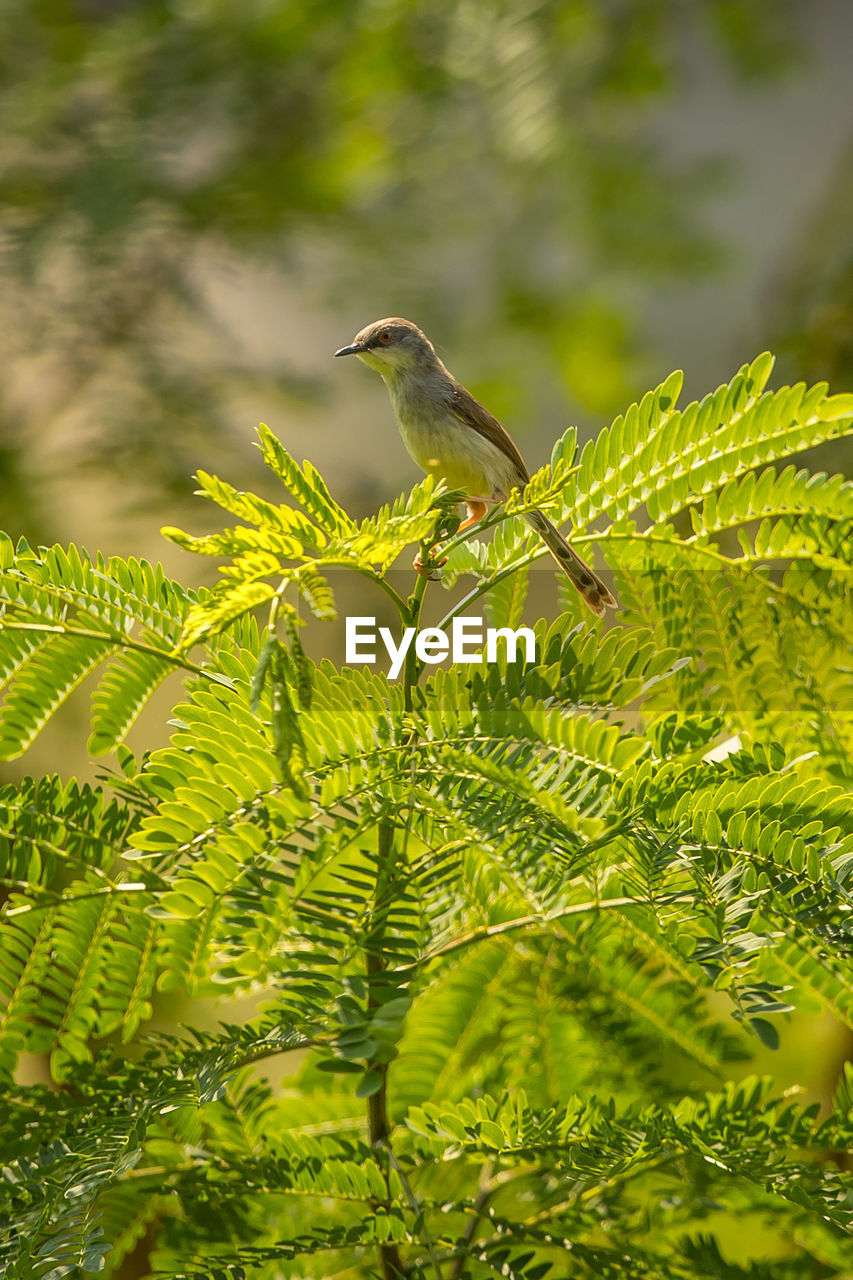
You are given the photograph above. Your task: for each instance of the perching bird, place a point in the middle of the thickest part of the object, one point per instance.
(451, 436)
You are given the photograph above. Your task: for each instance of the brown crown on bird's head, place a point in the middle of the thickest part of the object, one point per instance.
(391, 344)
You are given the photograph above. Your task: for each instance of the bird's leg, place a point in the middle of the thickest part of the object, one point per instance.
(476, 510)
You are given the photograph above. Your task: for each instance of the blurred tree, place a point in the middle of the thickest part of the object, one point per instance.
(811, 301)
(496, 162)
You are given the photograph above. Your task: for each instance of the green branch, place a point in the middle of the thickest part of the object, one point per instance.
(118, 640)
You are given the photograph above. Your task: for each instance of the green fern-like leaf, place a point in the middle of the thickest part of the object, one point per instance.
(62, 614)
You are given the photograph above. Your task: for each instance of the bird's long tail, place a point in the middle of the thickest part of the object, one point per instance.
(588, 584)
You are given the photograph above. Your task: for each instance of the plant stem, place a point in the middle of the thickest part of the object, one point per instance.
(381, 582)
(484, 1191)
(378, 1124)
(378, 1127)
(538, 920)
(416, 1209)
(411, 670)
(116, 641)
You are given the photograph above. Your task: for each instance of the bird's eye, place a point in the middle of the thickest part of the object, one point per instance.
(385, 337)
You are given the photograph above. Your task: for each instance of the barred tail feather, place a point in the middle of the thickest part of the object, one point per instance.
(588, 584)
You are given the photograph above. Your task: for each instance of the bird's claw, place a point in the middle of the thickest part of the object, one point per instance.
(425, 568)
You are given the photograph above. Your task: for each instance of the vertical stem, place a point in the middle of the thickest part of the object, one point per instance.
(390, 1262)
(377, 1103)
(378, 1125)
(411, 670)
(484, 1191)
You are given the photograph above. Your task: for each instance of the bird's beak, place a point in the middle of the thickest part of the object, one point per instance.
(352, 350)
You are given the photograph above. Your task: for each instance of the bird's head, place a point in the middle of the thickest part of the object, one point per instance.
(392, 347)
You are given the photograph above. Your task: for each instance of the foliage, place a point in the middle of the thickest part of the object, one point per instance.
(492, 916)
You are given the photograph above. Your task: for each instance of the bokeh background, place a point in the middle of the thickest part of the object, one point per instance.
(201, 200)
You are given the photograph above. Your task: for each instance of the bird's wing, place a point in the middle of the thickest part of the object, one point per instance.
(469, 411)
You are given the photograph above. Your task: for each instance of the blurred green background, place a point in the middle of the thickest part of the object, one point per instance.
(201, 200)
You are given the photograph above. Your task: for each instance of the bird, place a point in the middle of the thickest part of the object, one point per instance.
(451, 436)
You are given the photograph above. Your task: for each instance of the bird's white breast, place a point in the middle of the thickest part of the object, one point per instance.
(444, 446)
